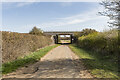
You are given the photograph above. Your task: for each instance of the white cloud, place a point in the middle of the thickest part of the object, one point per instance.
(8, 5)
(76, 19)
(20, 0)
(82, 20)
(51, 0)
(90, 14)
(66, 4)
(24, 4)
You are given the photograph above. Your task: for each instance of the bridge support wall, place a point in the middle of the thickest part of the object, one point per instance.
(56, 39)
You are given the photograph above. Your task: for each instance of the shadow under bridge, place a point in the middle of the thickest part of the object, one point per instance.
(60, 37)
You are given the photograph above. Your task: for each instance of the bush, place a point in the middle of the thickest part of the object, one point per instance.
(102, 42)
(84, 32)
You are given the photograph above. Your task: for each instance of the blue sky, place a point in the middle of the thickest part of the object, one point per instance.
(52, 16)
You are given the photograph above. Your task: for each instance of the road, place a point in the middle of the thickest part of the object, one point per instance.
(60, 62)
(65, 41)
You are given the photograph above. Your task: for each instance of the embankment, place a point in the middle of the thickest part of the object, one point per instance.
(16, 45)
(100, 53)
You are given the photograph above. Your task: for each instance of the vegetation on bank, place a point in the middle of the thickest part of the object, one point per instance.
(15, 45)
(99, 66)
(84, 32)
(100, 53)
(104, 43)
(36, 31)
(31, 58)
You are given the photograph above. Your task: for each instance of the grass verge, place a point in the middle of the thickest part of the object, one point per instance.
(99, 67)
(31, 58)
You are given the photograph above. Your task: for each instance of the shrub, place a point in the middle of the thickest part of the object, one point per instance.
(102, 42)
(84, 32)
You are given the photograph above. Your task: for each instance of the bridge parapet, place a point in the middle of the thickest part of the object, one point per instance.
(60, 32)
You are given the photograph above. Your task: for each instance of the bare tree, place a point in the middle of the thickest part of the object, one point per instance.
(112, 10)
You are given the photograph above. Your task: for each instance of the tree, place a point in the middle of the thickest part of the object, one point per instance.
(84, 32)
(88, 31)
(36, 31)
(112, 10)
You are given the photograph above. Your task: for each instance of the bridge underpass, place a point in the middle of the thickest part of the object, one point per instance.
(62, 37)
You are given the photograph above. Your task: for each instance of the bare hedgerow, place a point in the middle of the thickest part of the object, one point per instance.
(16, 45)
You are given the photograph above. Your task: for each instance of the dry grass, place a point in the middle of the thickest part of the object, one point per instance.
(29, 59)
(15, 45)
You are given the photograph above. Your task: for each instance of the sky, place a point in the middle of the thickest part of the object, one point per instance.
(52, 16)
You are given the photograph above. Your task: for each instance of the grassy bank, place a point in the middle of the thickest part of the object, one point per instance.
(99, 66)
(104, 43)
(31, 58)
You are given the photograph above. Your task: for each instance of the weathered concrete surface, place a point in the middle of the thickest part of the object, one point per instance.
(60, 62)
